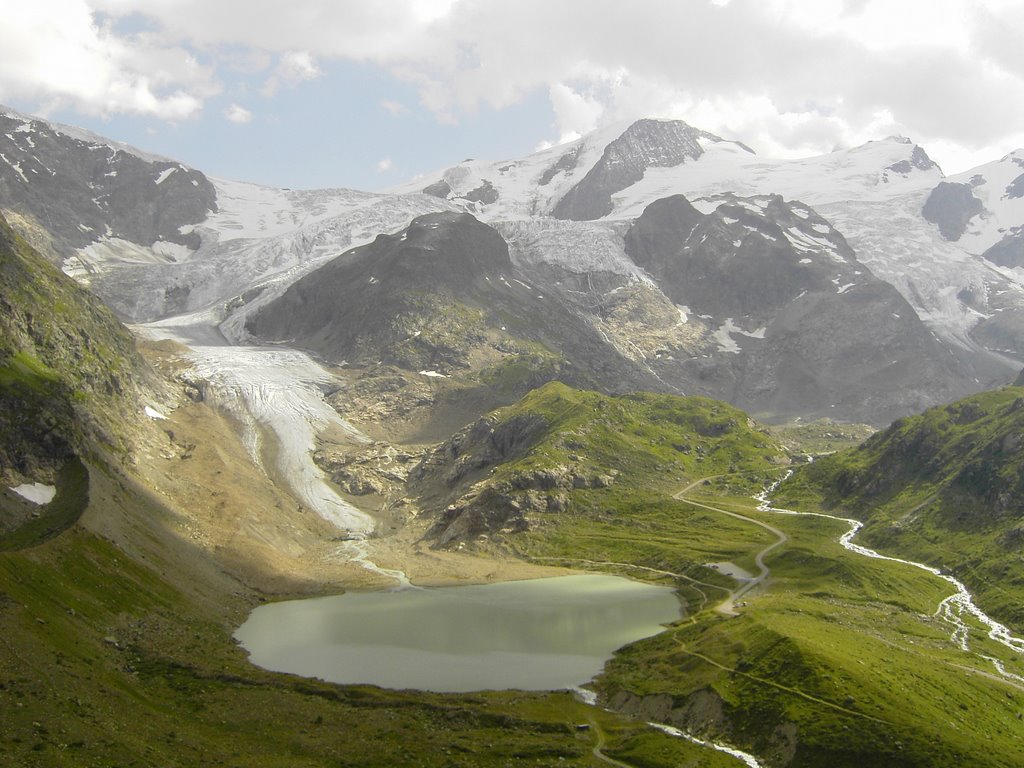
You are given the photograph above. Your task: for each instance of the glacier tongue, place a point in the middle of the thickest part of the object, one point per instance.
(276, 393)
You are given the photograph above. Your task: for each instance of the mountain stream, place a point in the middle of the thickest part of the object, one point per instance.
(953, 609)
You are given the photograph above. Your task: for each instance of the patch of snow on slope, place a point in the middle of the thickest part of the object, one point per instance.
(850, 174)
(153, 413)
(15, 166)
(802, 241)
(726, 343)
(578, 247)
(1001, 212)
(109, 253)
(37, 493)
(160, 179)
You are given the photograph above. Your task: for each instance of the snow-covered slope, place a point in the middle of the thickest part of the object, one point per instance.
(876, 171)
(564, 180)
(874, 194)
(999, 187)
(694, 163)
(259, 238)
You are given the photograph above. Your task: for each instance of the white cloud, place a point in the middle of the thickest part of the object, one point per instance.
(787, 76)
(394, 108)
(575, 113)
(384, 165)
(237, 114)
(293, 67)
(56, 53)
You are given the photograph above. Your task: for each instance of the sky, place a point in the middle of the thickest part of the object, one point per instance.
(370, 93)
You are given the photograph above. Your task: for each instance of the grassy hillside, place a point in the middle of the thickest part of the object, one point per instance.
(834, 659)
(71, 388)
(945, 487)
(581, 475)
(69, 374)
(106, 660)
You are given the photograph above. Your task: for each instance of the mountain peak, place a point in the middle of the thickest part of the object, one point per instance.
(31, 123)
(647, 143)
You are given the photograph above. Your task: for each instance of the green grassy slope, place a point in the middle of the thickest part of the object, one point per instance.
(105, 662)
(69, 374)
(839, 661)
(835, 660)
(945, 487)
(588, 476)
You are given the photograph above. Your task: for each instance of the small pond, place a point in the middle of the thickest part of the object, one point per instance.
(546, 634)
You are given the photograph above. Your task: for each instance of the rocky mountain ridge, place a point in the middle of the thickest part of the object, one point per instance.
(758, 301)
(70, 190)
(638, 325)
(71, 381)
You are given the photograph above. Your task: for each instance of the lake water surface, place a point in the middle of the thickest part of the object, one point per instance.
(545, 634)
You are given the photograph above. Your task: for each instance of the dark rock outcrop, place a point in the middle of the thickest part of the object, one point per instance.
(918, 159)
(378, 297)
(81, 191)
(1016, 187)
(1008, 252)
(950, 206)
(811, 329)
(645, 144)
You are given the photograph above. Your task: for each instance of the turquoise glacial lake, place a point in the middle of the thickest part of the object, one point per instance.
(544, 634)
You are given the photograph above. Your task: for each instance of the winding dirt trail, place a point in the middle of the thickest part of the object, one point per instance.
(728, 606)
(598, 750)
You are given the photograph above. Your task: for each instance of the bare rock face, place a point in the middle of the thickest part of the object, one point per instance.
(803, 326)
(645, 144)
(380, 470)
(464, 461)
(81, 190)
(397, 297)
(1008, 252)
(950, 206)
(1015, 188)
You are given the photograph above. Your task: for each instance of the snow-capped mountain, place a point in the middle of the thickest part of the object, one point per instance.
(578, 180)
(615, 172)
(67, 189)
(154, 238)
(876, 194)
(789, 287)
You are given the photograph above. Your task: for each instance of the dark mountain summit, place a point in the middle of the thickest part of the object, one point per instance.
(79, 191)
(804, 326)
(645, 144)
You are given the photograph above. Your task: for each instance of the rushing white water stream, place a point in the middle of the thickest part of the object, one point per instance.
(952, 609)
(745, 757)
